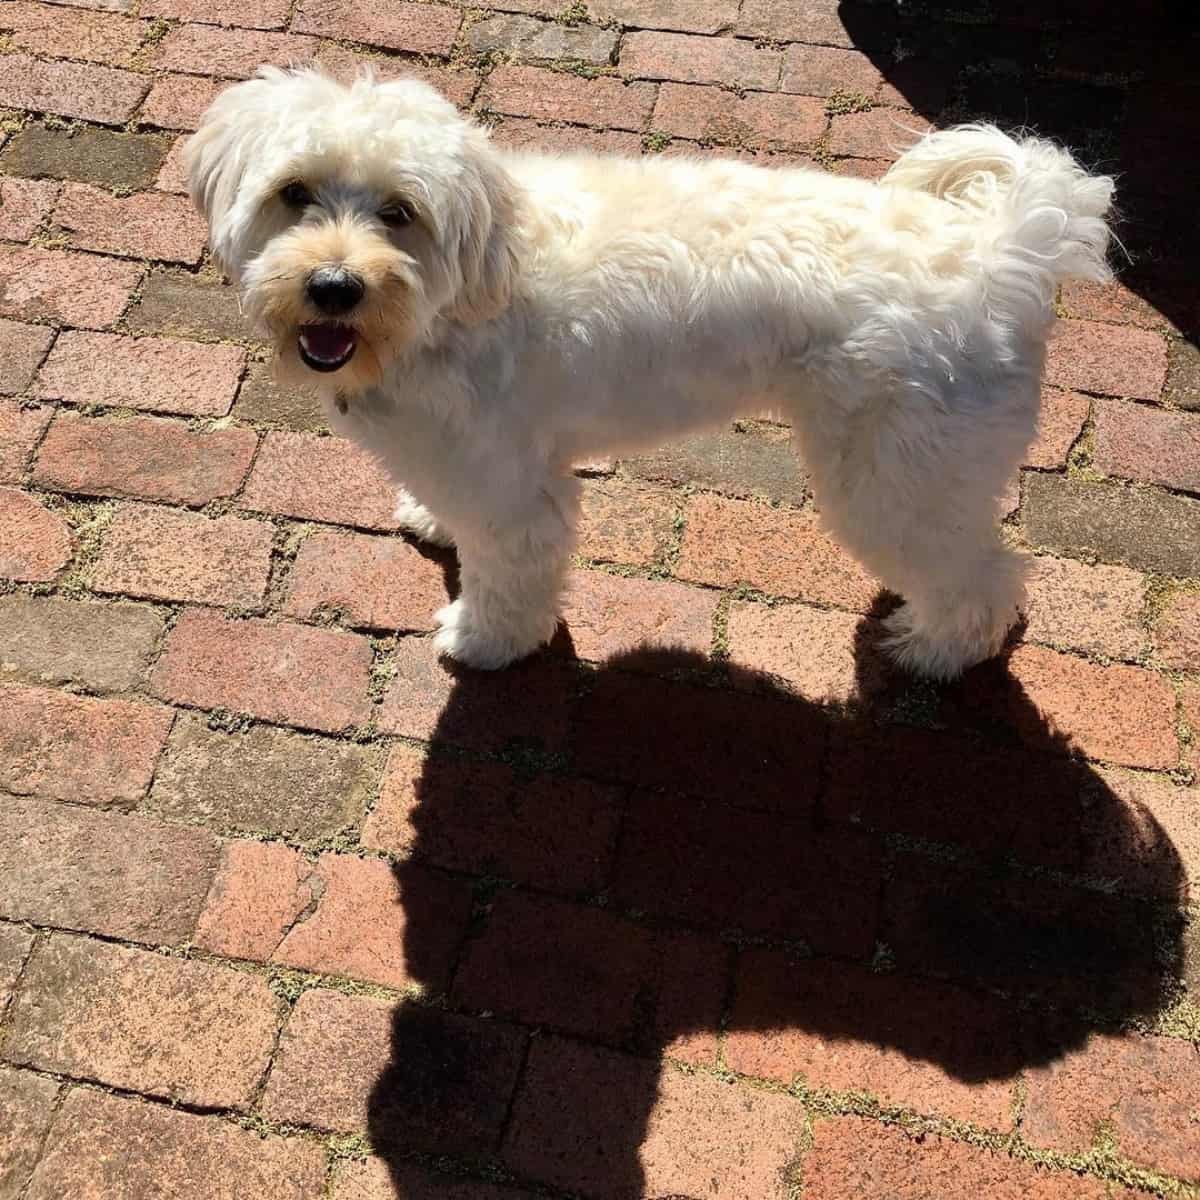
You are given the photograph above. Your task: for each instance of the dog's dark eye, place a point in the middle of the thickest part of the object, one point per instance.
(397, 214)
(295, 195)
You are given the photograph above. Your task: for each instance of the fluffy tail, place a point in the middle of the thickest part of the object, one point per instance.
(1041, 214)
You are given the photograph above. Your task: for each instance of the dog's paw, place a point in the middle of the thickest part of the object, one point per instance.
(944, 653)
(416, 519)
(487, 649)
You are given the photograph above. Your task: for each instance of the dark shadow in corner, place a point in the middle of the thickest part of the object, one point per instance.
(1116, 83)
(660, 849)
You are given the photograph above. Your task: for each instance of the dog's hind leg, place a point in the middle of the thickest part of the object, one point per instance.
(512, 573)
(912, 490)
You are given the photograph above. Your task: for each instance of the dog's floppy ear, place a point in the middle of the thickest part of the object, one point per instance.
(488, 238)
(232, 141)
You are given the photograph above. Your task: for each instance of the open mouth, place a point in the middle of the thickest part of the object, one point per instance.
(327, 346)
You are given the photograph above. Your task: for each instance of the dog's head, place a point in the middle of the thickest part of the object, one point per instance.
(355, 219)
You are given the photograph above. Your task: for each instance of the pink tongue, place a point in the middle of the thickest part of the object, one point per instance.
(329, 342)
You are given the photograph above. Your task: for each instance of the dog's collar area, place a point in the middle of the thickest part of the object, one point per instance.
(326, 346)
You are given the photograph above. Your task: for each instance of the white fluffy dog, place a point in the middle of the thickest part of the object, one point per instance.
(482, 320)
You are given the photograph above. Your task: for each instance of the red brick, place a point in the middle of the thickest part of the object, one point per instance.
(824, 70)
(727, 869)
(1114, 361)
(818, 21)
(848, 1029)
(694, 975)
(783, 552)
(1147, 444)
(251, 14)
(879, 777)
(77, 289)
(320, 479)
(551, 831)
(1147, 1090)
(922, 84)
(67, 89)
(120, 876)
(182, 1030)
(22, 348)
(291, 674)
(689, 59)
(1177, 632)
(820, 655)
(431, 1081)
(518, 133)
(57, 32)
(264, 780)
(397, 926)
(866, 1160)
(151, 374)
(381, 1179)
(1113, 302)
(74, 748)
(1026, 937)
(1117, 714)
(880, 133)
(179, 101)
(172, 175)
(683, 15)
(559, 96)
(15, 944)
(122, 6)
(24, 203)
(103, 1146)
(143, 458)
(374, 582)
(581, 1110)
(228, 53)
(146, 225)
(35, 544)
(1144, 832)
(873, 169)
(429, 697)
(608, 615)
(1059, 425)
(421, 28)
(457, 84)
(258, 892)
(162, 554)
(21, 429)
(1096, 609)
(758, 120)
(756, 751)
(625, 522)
(26, 1107)
(546, 962)
(1189, 708)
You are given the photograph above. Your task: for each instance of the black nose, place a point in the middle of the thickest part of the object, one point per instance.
(335, 290)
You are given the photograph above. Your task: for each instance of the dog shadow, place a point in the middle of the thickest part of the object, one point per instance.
(1114, 83)
(668, 855)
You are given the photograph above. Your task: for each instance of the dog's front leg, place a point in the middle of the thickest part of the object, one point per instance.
(512, 573)
(414, 518)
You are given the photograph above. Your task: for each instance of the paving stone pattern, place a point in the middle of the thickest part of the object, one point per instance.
(705, 902)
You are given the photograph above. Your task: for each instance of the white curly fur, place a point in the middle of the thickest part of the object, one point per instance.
(542, 310)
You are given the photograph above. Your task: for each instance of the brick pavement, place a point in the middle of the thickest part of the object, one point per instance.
(704, 902)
